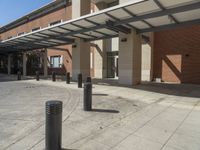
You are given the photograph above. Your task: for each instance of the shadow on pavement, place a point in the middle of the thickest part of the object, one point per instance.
(10, 78)
(105, 111)
(68, 149)
(185, 90)
(100, 94)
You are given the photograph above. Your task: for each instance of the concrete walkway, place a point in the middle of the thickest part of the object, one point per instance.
(145, 117)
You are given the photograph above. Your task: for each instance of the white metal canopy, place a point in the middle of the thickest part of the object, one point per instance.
(142, 15)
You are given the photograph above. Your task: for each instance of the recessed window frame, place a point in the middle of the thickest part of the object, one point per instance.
(21, 33)
(55, 23)
(9, 37)
(36, 29)
(52, 61)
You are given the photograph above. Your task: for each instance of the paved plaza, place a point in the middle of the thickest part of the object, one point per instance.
(150, 116)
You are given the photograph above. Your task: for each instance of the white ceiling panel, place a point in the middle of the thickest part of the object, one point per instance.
(173, 3)
(94, 33)
(59, 41)
(107, 31)
(34, 36)
(40, 43)
(139, 25)
(84, 23)
(71, 27)
(48, 32)
(143, 8)
(159, 21)
(25, 38)
(189, 15)
(60, 30)
(121, 14)
(100, 18)
(83, 36)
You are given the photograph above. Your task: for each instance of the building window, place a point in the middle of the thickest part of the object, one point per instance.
(56, 61)
(10, 37)
(55, 22)
(1, 64)
(114, 3)
(35, 29)
(20, 33)
(91, 60)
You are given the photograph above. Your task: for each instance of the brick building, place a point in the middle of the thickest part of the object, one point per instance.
(170, 55)
(51, 14)
(176, 55)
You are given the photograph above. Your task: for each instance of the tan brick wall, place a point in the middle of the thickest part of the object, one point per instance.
(177, 55)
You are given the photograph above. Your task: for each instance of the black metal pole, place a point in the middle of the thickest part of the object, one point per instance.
(53, 76)
(19, 75)
(87, 102)
(37, 75)
(68, 78)
(88, 79)
(53, 140)
(80, 80)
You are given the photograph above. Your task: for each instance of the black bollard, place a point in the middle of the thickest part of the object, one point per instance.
(80, 80)
(88, 79)
(19, 75)
(53, 76)
(68, 78)
(37, 75)
(87, 102)
(53, 140)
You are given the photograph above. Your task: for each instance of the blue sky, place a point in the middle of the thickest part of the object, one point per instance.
(11, 10)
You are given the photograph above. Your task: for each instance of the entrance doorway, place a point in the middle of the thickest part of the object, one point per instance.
(112, 64)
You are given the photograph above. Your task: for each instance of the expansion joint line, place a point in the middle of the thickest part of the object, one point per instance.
(180, 125)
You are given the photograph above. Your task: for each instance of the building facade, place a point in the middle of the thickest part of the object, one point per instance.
(169, 56)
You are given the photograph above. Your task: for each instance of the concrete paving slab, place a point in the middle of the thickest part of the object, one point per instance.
(137, 143)
(184, 142)
(145, 117)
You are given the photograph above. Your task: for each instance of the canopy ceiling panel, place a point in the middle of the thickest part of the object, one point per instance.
(31, 36)
(191, 15)
(144, 7)
(172, 3)
(83, 36)
(95, 33)
(60, 30)
(141, 15)
(160, 21)
(107, 31)
(59, 41)
(100, 19)
(120, 14)
(70, 27)
(84, 23)
(140, 24)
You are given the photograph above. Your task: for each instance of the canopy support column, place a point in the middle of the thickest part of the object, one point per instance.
(45, 63)
(80, 59)
(101, 49)
(24, 64)
(9, 64)
(81, 49)
(130, 46)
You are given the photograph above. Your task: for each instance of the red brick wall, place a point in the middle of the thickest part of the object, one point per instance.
(67, 59)
(177, 55)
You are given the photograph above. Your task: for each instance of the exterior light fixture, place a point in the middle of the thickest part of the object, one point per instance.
(74, 46)
(124, 40)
